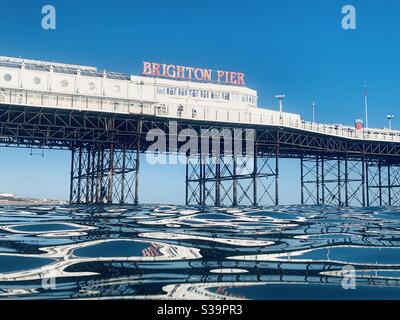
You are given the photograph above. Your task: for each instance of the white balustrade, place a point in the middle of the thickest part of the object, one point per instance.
(259, 117)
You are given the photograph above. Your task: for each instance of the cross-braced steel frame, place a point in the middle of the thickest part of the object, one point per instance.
(383, 183)
(233, 180)
(330, 180)
(104, 174)
(106, 148)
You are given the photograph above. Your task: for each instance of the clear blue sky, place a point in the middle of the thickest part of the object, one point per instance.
(292, 46)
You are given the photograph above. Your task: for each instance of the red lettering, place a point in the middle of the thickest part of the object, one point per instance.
(169, 68)
(232, 78)
(220, 74)
(147, 68)
(207, 75)
(198, 74)
(180, 72)
(156, 69)
(190, 71)
(164, 69)
(240, 78)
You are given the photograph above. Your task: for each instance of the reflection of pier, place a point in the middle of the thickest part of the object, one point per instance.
(201, 284)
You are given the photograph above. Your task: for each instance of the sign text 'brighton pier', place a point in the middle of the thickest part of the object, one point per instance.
(192, 73)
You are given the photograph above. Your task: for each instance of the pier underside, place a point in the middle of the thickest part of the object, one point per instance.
(332, 181)
(232, 181)
(104, 174)
(106, 148)
(349, 182)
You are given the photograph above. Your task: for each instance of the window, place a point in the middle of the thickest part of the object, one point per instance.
(193, 92)
(225, 96)
(161, 90)
(248, 99)
(204, 94)
(214, 95)
(234, 97)
(171, 91)
(182, 92)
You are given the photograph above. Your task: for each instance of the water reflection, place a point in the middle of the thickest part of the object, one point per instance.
(172, 252)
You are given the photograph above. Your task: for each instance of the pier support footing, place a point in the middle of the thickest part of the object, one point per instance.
(332, 180)
(383, 183)
(232, 180)
(104, 174)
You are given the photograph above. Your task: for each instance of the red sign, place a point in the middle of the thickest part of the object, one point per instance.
(190, 73)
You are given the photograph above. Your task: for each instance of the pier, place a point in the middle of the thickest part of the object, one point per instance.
(43, 105)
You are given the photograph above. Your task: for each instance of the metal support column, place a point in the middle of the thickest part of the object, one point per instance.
(317, 181)
(367, 183)
(235, 182)
(339, 182)
(137, 168)
(346, 181)
(255, 171)
(218, 182)
(363, 184)
(103, 175)
(186, 180)
(277, 177)
(380, 182)
(110, 175)
(389, 184)
(71, 190)
(302, 186)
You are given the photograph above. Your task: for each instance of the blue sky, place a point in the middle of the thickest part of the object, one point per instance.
(296, 47)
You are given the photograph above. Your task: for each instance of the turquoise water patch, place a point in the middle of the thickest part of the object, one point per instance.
(308, 292)
(214, 216)
(353, 255)
(133, 265)
(118, 248)
(45, 227)
(15, 263)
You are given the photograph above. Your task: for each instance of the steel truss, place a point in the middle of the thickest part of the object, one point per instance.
(232, 180)
(104, 174)
(334, 170)
(332, 181)
(383, 183)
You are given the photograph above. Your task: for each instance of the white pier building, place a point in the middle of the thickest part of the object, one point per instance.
(162, 90)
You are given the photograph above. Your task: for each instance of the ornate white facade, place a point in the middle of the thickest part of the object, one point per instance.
(66, 86)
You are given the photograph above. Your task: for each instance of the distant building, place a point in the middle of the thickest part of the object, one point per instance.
(7, 195)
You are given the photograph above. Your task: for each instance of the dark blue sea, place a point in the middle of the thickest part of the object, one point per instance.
(177, 252)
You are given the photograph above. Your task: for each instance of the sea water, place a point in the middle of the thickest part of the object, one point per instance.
(179, 252)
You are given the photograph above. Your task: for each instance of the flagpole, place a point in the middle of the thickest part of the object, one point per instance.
(313, 112)
(366, 105)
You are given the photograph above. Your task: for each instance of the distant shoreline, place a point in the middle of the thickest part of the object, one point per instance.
(24, 201)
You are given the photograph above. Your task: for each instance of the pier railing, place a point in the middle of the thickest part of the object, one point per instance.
(256, 116)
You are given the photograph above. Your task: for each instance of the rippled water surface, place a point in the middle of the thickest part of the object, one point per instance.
(170, 252)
